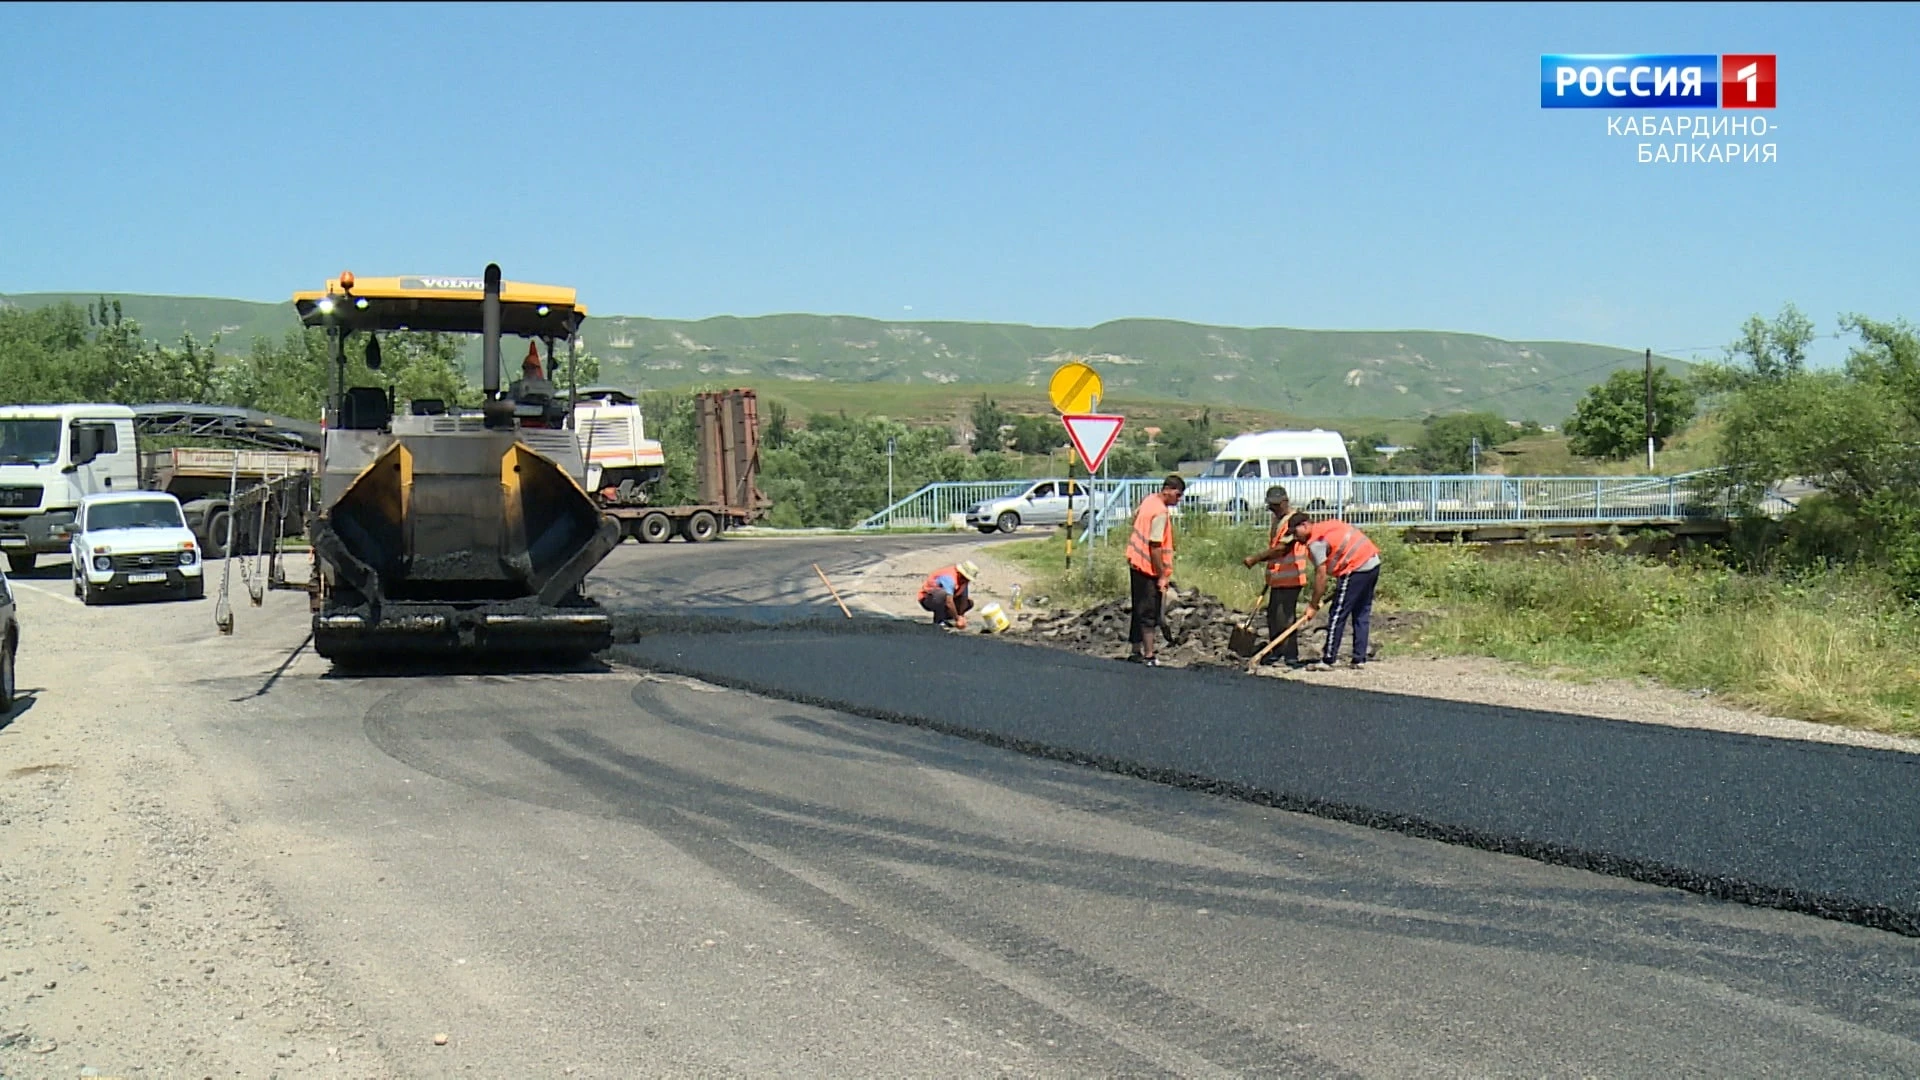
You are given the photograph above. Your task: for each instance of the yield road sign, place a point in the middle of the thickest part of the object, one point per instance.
(1093, 436)
(1074, 388)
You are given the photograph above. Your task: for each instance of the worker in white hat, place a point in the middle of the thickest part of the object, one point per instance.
(944, 593)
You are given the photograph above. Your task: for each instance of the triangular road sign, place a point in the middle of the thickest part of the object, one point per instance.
(1093, 436)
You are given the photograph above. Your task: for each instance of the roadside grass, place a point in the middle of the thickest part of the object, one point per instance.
(1838, 647)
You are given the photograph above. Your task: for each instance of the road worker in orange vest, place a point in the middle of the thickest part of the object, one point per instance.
(945, 594)
(534, 388)
(1286, 560)
(1150, 565)
(1342, 552)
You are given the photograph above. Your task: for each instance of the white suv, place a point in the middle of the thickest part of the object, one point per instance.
(134, 541)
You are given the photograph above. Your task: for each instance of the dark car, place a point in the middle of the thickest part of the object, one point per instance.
(9, 646)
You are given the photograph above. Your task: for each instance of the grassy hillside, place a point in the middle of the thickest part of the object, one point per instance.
(1299, 373)
(165, 318)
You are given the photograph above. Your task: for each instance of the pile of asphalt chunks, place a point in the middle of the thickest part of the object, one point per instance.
(1196, 630)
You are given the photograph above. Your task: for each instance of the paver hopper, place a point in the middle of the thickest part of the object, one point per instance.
(444, 532)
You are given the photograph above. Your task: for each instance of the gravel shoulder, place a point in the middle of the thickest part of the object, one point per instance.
(138, 937)
(888, 588)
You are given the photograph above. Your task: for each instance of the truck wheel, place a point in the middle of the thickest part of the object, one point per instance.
(702, 527)
(1008, 522)
(89, 595)
(219, 526)
(656, 529)
(21, 563)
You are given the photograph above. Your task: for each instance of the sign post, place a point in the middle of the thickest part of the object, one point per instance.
(1074, 388)
(1092, 434)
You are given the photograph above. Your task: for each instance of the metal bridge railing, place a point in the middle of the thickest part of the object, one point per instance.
(1379, 500)
(934, 504)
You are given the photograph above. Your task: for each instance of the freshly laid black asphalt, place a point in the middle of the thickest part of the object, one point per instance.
(1809, 827)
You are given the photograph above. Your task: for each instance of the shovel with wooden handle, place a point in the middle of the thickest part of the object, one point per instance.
(1243, 641)
(1284, 635)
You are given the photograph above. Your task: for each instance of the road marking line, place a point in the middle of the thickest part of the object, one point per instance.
(45, 592)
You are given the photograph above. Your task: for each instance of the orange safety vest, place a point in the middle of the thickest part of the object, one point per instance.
(959, 583)
(1347, 547)
(1290, 570)
(1139, 553)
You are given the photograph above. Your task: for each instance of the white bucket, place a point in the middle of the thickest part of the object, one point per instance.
(995, 619)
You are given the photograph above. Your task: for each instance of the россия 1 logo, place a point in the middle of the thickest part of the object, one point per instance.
(1655, 85)
(1657, 81)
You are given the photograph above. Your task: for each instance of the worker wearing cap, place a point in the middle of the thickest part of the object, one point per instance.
(945, 594)
(1286, 560)
(1342, 552)
(1150, 565)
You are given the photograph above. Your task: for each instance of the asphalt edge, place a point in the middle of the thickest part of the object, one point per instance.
(1736, 890)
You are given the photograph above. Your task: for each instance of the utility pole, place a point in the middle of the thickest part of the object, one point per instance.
(1474, 450)
(889, 470)
(1649, 411)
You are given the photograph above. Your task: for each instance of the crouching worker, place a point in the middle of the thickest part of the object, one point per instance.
(945, 594)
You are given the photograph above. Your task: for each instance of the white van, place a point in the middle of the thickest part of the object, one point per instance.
(1312, 465)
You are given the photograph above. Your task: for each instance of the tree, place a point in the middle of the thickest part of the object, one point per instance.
(988, 418)
(1610, 420)
(1189, 440)
(1446, 442)
(1367, 460)
(1132, 457)
(1038, 434)
(1775, 350)
(776, 435)
(1852, 433)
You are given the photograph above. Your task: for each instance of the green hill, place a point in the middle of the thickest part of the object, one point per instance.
(1317, 373)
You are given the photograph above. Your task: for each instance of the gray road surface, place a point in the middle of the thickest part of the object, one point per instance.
(626, 873)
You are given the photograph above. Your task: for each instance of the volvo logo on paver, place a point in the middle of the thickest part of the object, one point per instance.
(472, 283)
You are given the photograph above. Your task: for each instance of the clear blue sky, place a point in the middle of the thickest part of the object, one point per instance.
(1328, 167)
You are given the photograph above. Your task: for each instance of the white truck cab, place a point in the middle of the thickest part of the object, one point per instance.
(621, 461)
(51, 457)
(1312, 465)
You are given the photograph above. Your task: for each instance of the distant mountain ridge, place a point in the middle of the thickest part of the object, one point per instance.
(1332, 373)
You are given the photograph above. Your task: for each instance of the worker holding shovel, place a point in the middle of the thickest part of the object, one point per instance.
(1286, 559)
(1343, 553)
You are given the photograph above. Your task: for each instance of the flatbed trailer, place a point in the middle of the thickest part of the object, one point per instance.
(236, 501)
(728, 466)
(696, 523)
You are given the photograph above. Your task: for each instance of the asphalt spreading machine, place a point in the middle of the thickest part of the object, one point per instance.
(444, 532)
